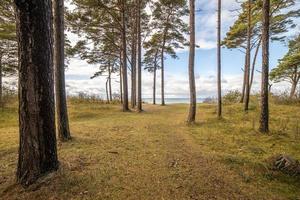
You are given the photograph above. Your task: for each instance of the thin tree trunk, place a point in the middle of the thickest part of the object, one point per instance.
(37, 150)
(106, 90)
(244, 81)
(193, 101)
(247, 94)
(109, 82)
(219, 61)
(264, 116)
(254, 63)
(133, 65)
(293, 89)
(139, 67)
(154, 80)
(121, 79)
(59, 66)
(124, 60)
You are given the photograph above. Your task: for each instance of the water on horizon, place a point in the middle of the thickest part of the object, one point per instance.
(172, 100)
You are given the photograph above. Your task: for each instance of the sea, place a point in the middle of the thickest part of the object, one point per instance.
(173, 100)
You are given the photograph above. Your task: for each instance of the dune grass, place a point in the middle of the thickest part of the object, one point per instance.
(155, 155)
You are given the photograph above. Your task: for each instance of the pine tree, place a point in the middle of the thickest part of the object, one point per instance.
(264, 116)
(193, 102)
(37, 150)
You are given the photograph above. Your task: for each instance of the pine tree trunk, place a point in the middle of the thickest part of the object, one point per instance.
(247, 81)
(264, 116)
(37, 150)
(244, 82)
(293, 89)
(121, 79)
(109, 82)
(193, 101)
(219, 61)
(139, 68)
(154, 81)
(133, 65)
(254, 63)
(162, 78)
(59, 66)
(106, 90)
(124, 56)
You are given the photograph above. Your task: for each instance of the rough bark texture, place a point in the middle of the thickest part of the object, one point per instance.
(139, 68)
(124, 60)
(193, 102)
(264, 116)
(62, 122)
(248, 60)
(219, 62)
(37, 150)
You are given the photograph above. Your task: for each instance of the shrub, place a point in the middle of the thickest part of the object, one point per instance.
(232, 96)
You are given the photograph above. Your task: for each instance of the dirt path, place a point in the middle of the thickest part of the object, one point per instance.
(130, 156)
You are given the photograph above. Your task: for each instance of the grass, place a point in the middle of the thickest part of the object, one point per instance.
(155, 155)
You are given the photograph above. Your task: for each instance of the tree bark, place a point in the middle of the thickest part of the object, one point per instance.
(59, 66)
(133, 64)
(37, 150)
(248, 61)
(219, 61)
(244, 82)
(254, 63)
(109, 82)
(193, 101)
(139, 67)
(293, 89)
(121, 79)
(154, 79)
(264, 116)
(124, 58)
(106, 90)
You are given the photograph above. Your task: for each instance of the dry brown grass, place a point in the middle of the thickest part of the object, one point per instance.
(154, 155)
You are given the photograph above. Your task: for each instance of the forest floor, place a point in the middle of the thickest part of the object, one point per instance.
(154, 155)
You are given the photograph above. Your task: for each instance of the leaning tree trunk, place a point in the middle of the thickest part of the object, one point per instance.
(59, 65)
(264, 116)
(37, 150)
(254, 63)
(248, 61)
(244, 82)
(124, 60)
(139, 68)
(293, 89)
(219, 62)
(193, 102)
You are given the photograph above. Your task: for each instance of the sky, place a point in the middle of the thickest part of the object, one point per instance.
(176, 70)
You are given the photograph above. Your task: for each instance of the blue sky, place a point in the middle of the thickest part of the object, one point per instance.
(77, 76)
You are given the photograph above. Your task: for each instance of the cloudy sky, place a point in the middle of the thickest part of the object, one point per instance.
(79, 72)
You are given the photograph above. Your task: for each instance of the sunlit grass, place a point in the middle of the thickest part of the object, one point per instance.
(155, 155)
